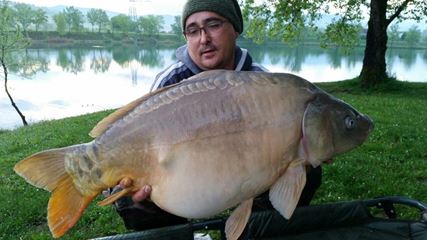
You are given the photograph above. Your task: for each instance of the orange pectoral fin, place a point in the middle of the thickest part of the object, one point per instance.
(127, 184)
(109, 200)
(66, 206)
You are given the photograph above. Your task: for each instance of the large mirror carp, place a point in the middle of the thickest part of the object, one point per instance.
(209, 143)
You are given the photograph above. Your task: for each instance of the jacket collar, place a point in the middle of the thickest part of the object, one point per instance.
(243, 61)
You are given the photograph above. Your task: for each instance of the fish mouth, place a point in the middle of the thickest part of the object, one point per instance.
(367, 125)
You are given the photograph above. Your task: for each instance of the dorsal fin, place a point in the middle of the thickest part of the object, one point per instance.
(106, 123)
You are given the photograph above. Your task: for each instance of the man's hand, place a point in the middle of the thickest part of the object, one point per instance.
(142, 194)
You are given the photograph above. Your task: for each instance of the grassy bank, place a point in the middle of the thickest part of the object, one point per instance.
(392, 162)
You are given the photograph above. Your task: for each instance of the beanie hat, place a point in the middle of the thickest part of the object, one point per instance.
(229, 9)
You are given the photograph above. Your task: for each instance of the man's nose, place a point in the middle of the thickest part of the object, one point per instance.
(204, 36)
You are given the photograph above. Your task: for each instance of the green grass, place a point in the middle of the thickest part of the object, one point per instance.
(393, 161)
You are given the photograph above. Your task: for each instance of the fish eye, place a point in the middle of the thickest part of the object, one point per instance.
(350, 122)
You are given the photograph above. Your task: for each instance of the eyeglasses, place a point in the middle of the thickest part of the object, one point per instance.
(211, 27)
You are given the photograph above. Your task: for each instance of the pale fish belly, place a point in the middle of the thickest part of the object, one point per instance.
(204, 177)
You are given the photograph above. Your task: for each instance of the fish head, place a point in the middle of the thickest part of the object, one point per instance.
(330, 127)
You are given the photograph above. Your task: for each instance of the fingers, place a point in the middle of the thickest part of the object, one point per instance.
(142, 194)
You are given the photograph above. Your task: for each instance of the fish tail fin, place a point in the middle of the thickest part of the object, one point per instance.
(47, 170)
(44, 169)
(66, 206)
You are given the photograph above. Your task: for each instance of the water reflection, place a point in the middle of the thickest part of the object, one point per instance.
(31, 62)
(72, 60)
(55, 83)
(295, 60)
(100, 60)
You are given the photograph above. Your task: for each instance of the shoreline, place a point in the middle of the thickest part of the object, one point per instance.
(53, 39)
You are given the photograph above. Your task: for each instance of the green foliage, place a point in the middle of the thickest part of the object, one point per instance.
(97, 17)
(7, 20)
(393, 34)
(150, 25)
(278, 19)
(412, 36)
(256, 29)
(177, 28)
(341, 33)
(74, 19)
(61, 23)
(391, 162)
(40, 18)
(11, 36)
(122, 23)
(24, 15)
(103, 21)
(92, 17)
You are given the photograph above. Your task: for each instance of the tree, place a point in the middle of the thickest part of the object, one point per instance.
(412, 36)
(97, 17)
(393, 33)
(11, 39)
(40, 18)
(150, 25)
(74, 19)
(177, 28)
(122, 23)
(92, 16)
(61, 23)
(24, 16)
(280, 18)
(102, 20)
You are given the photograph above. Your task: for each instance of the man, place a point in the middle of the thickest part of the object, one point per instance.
(211, 28)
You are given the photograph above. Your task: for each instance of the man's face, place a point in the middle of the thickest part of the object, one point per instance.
(212, 47)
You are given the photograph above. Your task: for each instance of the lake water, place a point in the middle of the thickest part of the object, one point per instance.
(66, 82)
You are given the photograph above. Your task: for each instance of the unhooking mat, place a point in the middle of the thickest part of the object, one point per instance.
(374, 219)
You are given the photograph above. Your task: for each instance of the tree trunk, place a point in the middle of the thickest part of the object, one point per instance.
(374, 69)
(10, 96)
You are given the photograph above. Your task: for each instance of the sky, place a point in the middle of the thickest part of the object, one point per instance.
(143, 7)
